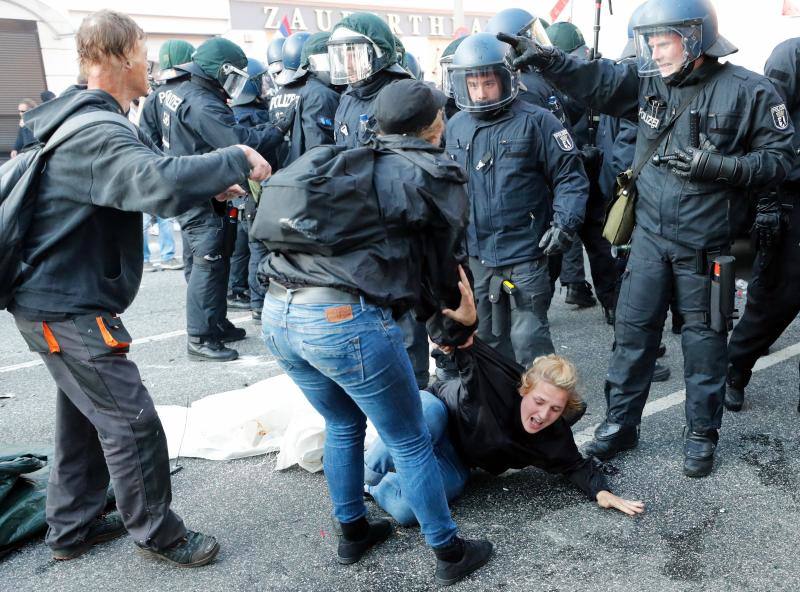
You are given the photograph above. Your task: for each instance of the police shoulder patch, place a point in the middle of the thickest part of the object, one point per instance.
(780, 116)
(564, 140)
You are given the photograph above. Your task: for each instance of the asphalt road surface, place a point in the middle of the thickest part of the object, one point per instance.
(735, 530)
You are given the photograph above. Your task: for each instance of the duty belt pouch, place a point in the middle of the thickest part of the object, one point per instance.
(499, 310)
(229, 230)
(103, 334)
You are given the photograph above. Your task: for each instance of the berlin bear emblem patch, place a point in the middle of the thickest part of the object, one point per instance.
(564, 140)
(780, 117)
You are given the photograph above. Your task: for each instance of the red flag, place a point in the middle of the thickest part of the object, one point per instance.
(791, 8)
(558, 8)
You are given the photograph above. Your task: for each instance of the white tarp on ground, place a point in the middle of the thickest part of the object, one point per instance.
(268, 416)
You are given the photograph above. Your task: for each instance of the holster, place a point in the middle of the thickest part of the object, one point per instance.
(723, 291)
(499, 310)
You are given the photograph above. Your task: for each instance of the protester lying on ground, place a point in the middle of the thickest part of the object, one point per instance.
(497, 424)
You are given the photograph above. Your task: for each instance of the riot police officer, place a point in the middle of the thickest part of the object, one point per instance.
(528, 193)
(682, 208)
(445, 62)
(275, 60)
(283, 105)
(197, 120)
(314, 102)
(772, 296)
(363, 55)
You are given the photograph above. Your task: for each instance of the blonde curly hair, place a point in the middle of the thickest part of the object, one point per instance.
(557, 371)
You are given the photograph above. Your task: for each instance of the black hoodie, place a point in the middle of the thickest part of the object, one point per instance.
(83, 251)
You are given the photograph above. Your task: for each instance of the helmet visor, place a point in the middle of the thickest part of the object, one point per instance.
(350, 61)
(483, 88)
(665, 50)
(446, 64)
(319, 62)
(233, 80)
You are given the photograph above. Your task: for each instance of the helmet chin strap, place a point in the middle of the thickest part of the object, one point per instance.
(680, 76)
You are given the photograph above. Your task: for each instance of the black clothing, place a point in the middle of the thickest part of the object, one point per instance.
(24, 138)
(313, 121)
(152, 119)
(783, 69)
(486, 424)
(419, 263)
(84, 245)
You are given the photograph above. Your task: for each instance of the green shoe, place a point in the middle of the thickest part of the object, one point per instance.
(193, 550)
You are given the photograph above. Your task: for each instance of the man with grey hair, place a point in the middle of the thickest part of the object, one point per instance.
(66, 304)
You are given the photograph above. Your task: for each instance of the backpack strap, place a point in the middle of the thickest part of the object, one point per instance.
(80, 122)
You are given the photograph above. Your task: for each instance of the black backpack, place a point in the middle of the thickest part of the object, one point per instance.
(18, 186)
(324, 203)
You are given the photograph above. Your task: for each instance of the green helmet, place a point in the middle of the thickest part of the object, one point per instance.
(360, 46)
(316, 45)
(400, 50)
(223, 61)
(566, 37)
(174, 52)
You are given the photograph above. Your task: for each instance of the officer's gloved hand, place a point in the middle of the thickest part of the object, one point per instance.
(767, 226)
(707, 164)
(528, 52)
(284, 124)
(556, 240)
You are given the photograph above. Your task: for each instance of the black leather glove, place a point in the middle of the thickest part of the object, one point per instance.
(698, 164)
(766, 229)
(528, 52)
(556, 240)
(284, 124)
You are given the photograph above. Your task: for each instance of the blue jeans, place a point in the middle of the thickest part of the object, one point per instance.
(166, 243)
(384, 484)
(350, 362)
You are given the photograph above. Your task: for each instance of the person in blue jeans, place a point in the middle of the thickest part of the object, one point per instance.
(382, 481)
(166, 244)
(330, 321)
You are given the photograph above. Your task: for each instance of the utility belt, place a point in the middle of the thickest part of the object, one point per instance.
(721, 268)
(312, 295)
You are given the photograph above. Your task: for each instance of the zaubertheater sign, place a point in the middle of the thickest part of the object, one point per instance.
(322, 17)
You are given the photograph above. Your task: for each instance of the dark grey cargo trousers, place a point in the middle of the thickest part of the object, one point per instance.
(106, 425)
(658, 270)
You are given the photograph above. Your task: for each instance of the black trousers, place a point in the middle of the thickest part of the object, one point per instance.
(658, 271)
(773, 300)
(106, 427)
(240, 261)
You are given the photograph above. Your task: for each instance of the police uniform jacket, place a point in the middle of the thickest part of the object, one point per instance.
(153, 109)
(616, 139)
(83, 250)
(425, 212)
(741, 115)
(524, 172)
(783, 69)
(316, 111)
(197, 120)
(357, 101)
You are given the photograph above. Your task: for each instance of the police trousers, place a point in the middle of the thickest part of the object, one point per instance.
(525, 329)
(106, 426)
(659, 269)
(773, 299)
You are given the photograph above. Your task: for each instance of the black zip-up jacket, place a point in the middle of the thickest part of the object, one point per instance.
(740, 114)
(416, 268)
(783, 70)
(485, 423)
(83, 249)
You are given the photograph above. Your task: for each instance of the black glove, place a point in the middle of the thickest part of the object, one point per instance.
(528, 52)
(556, 240)
(699, 164)
(766, 229)
(286, 120)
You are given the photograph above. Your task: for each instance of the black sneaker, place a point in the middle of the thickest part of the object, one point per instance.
(734, 397)
(228, 332)
(610, 439)
(698, 450)
(212, 350)
(350, 551)
(580, 294)
(193, 550)
(239, 301)
(104, 528)
(475, 555)
(660, 373)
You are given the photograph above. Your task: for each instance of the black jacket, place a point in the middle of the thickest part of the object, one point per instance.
(84, 245)
(738, 115)
(413, 268)
(783, 69)
(486, 426)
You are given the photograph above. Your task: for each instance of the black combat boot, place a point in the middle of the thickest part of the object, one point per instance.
(580, 294)
(359, 537)
(660, 373)
(102, 529)
(734, 394)
(459, 558)
(228, 332)
(209, 349)
(611, 439)
(698, 450)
